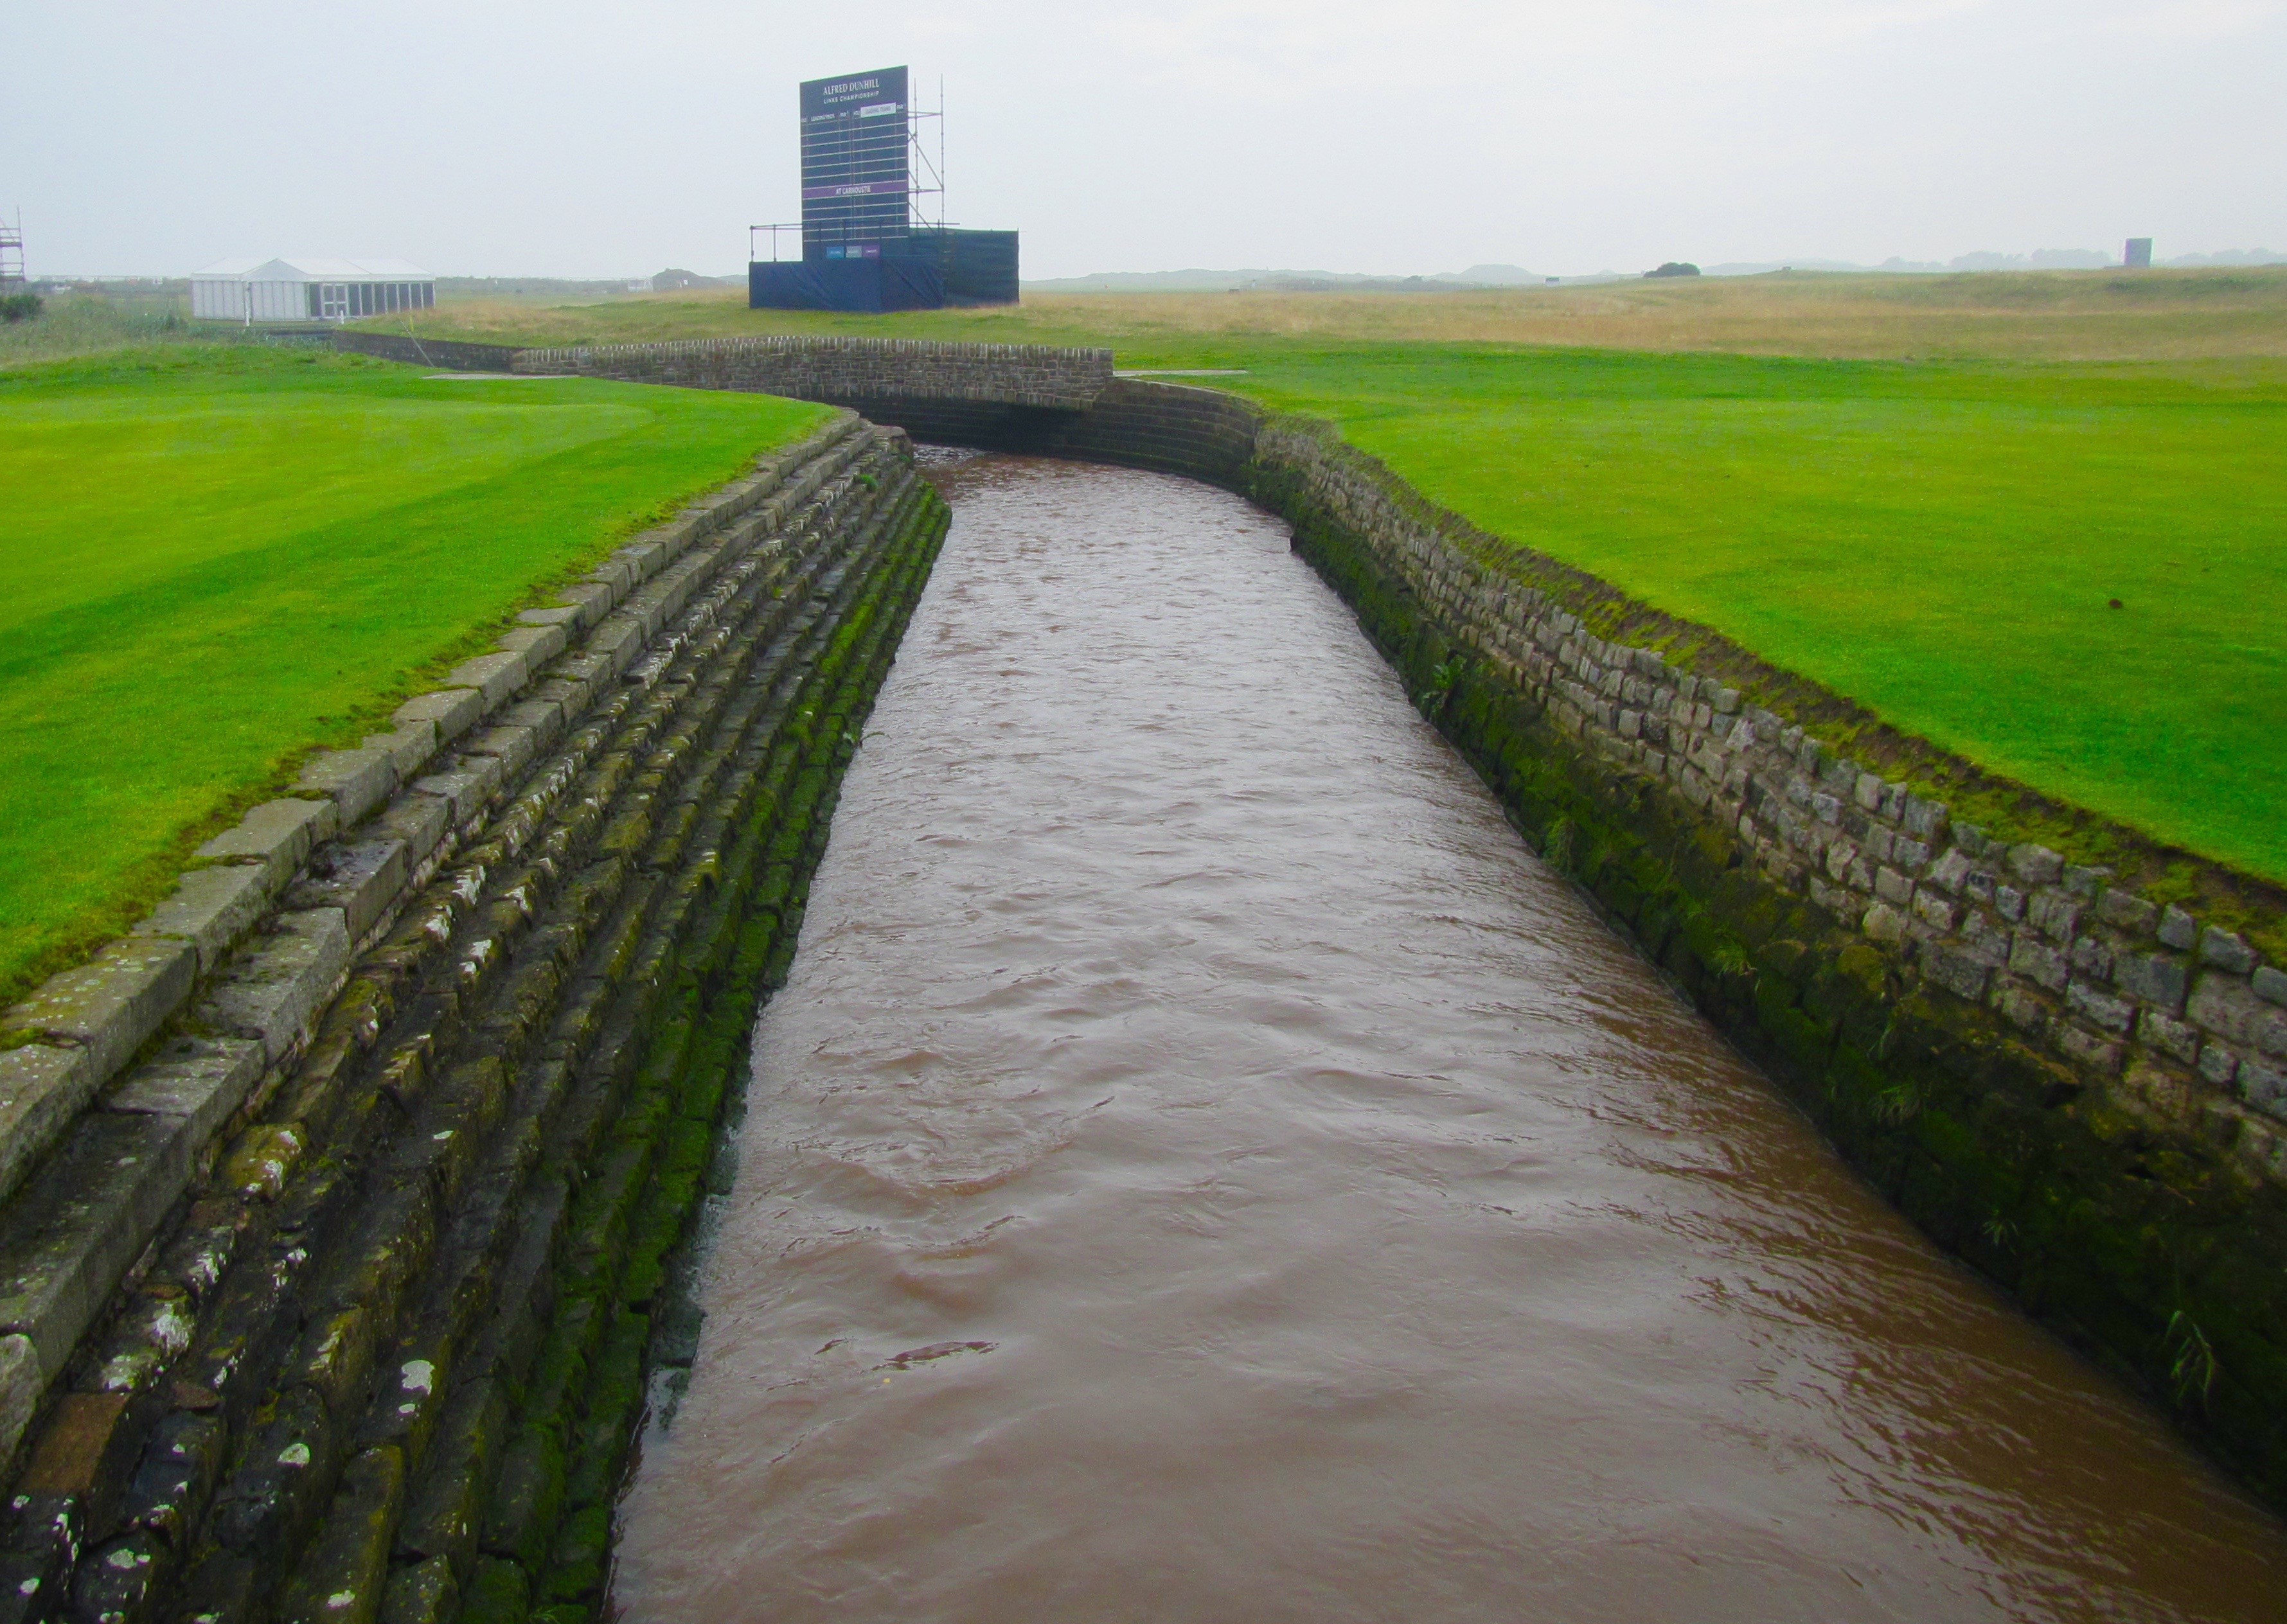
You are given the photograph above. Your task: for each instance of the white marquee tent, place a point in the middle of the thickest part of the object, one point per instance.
(252, 290)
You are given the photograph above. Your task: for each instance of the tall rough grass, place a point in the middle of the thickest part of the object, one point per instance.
(2094, 315)
(74, 324)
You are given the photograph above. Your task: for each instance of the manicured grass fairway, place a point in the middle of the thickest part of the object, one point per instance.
(217, 557)
(1939, 542)
(1938, 539)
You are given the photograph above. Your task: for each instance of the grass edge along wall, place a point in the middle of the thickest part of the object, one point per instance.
(386, 1350)
(229, 557)
(1956, 1011)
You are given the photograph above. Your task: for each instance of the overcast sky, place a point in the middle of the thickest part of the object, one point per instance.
(500, 137)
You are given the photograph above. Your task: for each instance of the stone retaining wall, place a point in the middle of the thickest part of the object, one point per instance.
(850, 372)
(449, 353)
(2073, 1085)
(349, 1193)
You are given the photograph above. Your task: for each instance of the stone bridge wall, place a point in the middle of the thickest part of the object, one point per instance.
(852, 372)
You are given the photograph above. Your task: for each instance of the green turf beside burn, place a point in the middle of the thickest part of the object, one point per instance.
(222, 559)
(1940, 542)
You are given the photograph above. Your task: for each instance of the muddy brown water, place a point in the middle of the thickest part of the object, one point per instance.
(1205, 1168)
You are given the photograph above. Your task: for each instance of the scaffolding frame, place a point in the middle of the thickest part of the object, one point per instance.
(12, 253)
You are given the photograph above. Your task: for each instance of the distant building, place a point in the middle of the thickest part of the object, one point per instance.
(268, 290)
(2138, 257)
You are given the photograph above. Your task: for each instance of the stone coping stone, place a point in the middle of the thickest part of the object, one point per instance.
(278, 834)
(69, 1237)
(201, 1080)
(274, 991)
(43, 1087)
(451, 711)
(496, 677)
(212, 908)
(356, 781)
(109, 1007)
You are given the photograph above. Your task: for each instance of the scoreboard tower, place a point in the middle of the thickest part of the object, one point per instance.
(863, 249)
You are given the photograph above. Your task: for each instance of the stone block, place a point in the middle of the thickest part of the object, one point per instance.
(2157, 980)
(1948, 873)
(356, 781)
(43, 1087)
(2217, 1063)
(544, 716)
(2020, 1004)
(1893, 887)
(278, 834)
(496, 677)
(2270, 984)
(2099, 1009)
(2037, 961)
(2179, 929)
(616, 644)
(538, 644)
(2009, 903)
(2124, 910)
(2226, 1006)
(81, 1220)
(212, 908)
(452, 711)
(1938, 911)
(275, 989)
(409, 746)
(1972, 839)
(514, 747)
(109, 1006)
(1959, 973)
(2036, 865)
(467, 786)
(2264, 1087)
(1986, 940)
(2091, 959)
(361, 878)
(199, 1080)
(1885, 924)
(2174, 1037)
(563, 615)
(589, 601)
(1925, 820)
(2084, 883)
(2226, 951)
(1910, 856)
(419, 820)
(20, 1386)
(2090, 1049)
(2054, 913)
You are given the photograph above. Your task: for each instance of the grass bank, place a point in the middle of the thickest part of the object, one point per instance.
(1939, 539)
(223, 558)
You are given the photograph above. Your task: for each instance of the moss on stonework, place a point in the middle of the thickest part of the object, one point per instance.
(2143, 1246)
(728, 936)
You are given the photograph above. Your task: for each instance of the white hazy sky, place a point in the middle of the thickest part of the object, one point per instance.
(503, 137)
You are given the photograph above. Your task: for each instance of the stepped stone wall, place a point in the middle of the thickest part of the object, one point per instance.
(349, 1198)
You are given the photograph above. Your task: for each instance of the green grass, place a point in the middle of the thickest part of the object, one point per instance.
(219, 559)
(1939, 542)
(1936, 538)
